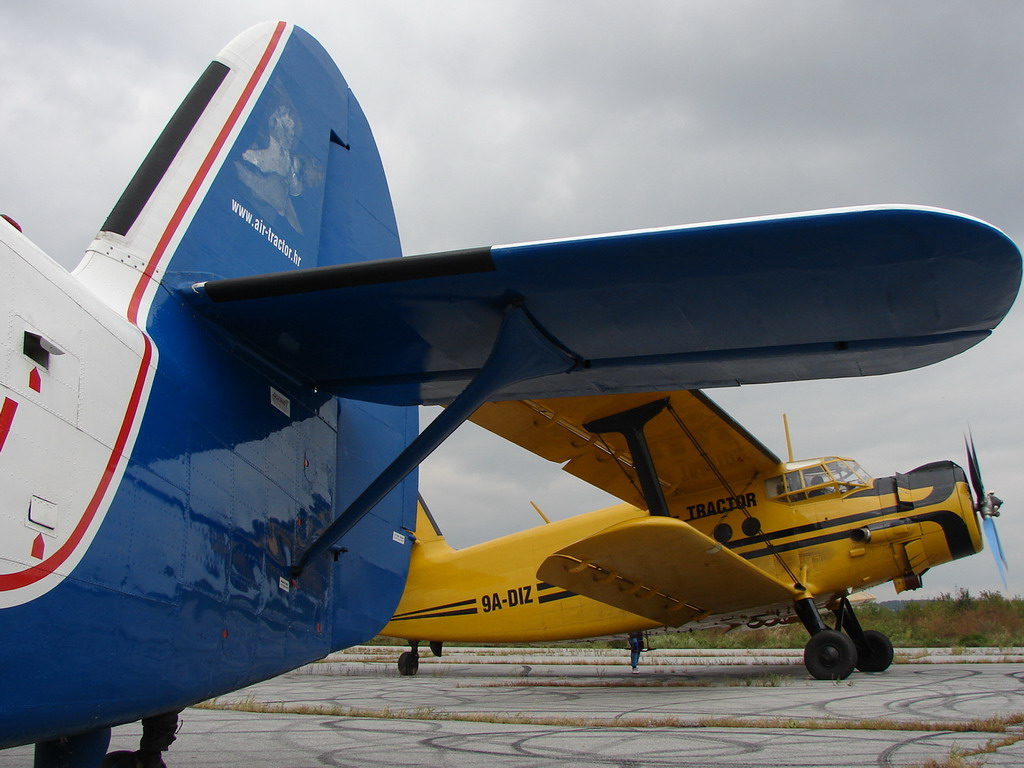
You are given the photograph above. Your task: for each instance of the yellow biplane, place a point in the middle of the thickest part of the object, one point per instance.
(715, 531)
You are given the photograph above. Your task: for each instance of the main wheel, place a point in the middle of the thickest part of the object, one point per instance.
(876, 652)
(830, 655)
(408, 664)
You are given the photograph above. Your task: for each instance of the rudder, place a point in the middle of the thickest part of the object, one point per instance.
(268, 165)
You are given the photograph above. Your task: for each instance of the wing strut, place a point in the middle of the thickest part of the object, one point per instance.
(630, 424)
(522, 350)
(728, 489)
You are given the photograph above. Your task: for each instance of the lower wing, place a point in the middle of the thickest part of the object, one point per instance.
(663, 569)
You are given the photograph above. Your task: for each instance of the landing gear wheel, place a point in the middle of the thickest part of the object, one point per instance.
(830, 655)
(875, 652)
(408, 664)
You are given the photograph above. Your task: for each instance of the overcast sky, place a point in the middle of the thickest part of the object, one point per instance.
(518, 121)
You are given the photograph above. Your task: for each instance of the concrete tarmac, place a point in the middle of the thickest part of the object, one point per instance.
(492, 708)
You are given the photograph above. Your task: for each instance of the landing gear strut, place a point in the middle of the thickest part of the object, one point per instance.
(874, 648)
(832, 655)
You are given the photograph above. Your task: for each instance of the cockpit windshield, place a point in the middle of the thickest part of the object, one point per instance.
(814, 479)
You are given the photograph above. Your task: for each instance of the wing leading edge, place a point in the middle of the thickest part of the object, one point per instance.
(820, 295)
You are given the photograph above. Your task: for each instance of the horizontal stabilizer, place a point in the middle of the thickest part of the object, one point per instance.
(819, 295)
(662, 569)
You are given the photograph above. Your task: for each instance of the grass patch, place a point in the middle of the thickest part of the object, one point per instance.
(957, 620)
(998, 724)
(960, 758)
(957, 759)
(752, 681)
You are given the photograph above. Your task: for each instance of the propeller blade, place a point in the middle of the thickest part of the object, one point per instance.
(992, 534)
(987, 506)
(975, 470)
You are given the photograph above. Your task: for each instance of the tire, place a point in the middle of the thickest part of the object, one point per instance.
(830, 655)
(875, 653)
(408, 664)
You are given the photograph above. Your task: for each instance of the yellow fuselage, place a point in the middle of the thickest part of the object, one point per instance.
(828, 541)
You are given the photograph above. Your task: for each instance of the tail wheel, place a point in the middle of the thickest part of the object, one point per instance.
(874, 653)
(408, 664)
(830, 655)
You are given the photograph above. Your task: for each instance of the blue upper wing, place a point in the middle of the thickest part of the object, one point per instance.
(809, 296)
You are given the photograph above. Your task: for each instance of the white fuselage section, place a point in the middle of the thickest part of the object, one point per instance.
(74, 376)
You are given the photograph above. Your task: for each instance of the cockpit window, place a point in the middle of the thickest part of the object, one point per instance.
(848, 475)
(830, 476)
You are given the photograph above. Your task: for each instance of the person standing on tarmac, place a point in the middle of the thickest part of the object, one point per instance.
(636, 645)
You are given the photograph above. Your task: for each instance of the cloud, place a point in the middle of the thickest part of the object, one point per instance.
(511, 122)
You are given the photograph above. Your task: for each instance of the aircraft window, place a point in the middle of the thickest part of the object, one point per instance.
(849, 475)
(818, 482)
(865, 478)
(786, 487)
(775, 486)
(815, 476)
(841, 471)
(830, 477)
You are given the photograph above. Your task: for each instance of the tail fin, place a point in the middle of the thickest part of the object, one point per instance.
(427, 530)
(267, 165)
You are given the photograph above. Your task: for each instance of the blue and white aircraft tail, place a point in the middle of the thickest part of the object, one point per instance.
(209, 433)
(159, 481)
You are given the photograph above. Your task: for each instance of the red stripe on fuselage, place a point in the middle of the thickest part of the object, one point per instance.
(31, 575)
(6, 419)
(200, 177)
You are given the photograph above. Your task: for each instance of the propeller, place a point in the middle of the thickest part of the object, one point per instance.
(987, 505)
